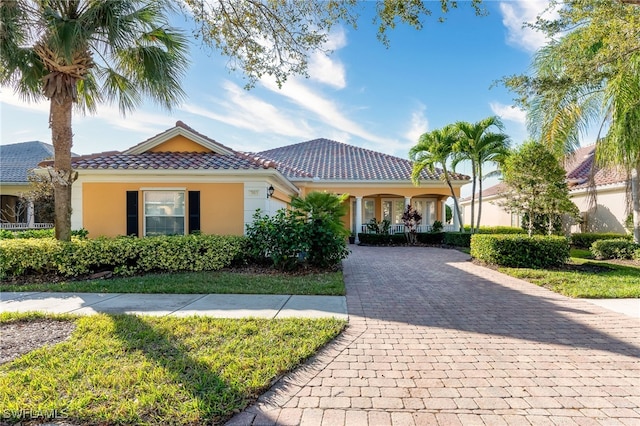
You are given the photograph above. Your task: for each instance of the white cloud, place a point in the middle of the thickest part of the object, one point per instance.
(250, 112)
(419, 125)
(136, 121)
(515, 14)
(324, 109)
(509, 112)
(325, 69)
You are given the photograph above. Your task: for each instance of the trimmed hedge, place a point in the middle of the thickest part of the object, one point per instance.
(497, 230)
(585, 240)
(614, 249)
(434, 238)
(6, 234)
(457, 239)
(122, 255)
(520, 251)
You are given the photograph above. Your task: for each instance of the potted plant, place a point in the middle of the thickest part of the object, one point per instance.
(352, 238)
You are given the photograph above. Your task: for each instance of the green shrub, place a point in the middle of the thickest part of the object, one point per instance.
(497, 230)
(434, 238)
(381, 239)
(123, 255)
(636, 254)
(586, 239)
(457, 239)
(281, 240)
(520, 251)
(614, 249)
(6, 234)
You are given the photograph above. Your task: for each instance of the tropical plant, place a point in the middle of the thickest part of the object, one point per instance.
(322, 213)
(411, 218)
(589, 75)
(536, 186)
(433, 149)
(83, 53)
(478, 145)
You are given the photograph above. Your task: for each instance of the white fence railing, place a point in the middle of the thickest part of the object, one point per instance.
(24, 226)
(398, 228)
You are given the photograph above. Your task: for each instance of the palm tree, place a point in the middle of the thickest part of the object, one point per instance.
(479, 146)
(82, 53)
(561, 113)
(435, 148)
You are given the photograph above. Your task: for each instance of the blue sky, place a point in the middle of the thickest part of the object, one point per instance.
(363, 94)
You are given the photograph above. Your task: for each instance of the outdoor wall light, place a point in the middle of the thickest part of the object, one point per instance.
(270, 191)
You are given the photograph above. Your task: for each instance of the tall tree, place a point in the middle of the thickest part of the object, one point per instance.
(478, 145)
(274, 37)
(588, 75)
(536, 186)
(435, 149)
(85, 52)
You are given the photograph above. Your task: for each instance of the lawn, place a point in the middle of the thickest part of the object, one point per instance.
(221, 282)
(584, 278)
(124, 369)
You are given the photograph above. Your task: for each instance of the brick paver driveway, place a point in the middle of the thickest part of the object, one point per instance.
(436, 340)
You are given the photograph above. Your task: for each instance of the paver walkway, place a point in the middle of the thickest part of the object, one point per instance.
(436, 340)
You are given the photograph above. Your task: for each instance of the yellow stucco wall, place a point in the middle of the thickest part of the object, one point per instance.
(179, 144)
(104, 206)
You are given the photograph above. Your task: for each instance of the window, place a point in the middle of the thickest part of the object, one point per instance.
(164, 213)
(392, 210)
(427, 209)
(368, 210)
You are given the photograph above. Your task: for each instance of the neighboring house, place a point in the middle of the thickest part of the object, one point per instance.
(608, 214)
(16, 160)
(181, 181)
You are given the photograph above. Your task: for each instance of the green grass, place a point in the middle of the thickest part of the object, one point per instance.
(580, 253)
(222, 282)
(605, 280)
(124, 369)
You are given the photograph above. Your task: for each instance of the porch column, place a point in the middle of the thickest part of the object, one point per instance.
(444, 211)
(407, 202)
(456, 222)
(358, 214)
(31, 220)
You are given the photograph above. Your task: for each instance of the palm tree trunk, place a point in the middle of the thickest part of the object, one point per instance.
(453, 195)
(62, 176)
(479, 195)
(635, 200)
(473, 195)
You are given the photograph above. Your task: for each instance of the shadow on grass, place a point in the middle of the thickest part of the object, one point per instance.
(215, 399)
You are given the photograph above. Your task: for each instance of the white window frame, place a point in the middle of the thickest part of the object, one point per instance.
(145, 191)
(393, 212)
(435, 209)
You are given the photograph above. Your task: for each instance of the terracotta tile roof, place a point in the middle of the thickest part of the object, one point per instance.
(579, 168)
(330, 160)
(168, 160)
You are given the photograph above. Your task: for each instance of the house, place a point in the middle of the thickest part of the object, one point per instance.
(16, 161)
(608, 214)
(181, 181)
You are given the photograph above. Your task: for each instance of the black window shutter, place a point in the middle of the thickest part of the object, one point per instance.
(132, 213)
(194, 211)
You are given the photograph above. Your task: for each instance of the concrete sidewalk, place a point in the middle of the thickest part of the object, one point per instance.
(214, 305)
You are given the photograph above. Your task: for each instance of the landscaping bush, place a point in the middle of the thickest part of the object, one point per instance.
(586, 239)
(497, 230)
(520, 251)
(122, 255)
(382, 239)
(435, 238)
(38, 233)
(457, 239)
(614, 249)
